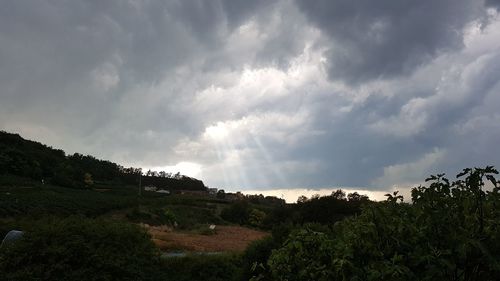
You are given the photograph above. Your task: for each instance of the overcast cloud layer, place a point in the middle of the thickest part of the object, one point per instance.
(259, 94)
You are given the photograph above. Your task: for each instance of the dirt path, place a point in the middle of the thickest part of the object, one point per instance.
(226, 239)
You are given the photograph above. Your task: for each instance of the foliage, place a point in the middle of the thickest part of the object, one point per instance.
(305, 257)
(259, 199)
(188, 216)
(449, 232)
(221, 194)
(169, 217)
(256, 217)
(37, 200)
(238, 212)
(318, 209)
(77, 248)
(34, 160)
(255, 257)
(184, 217)
(34, 200)
(217, 267)
(172, 183)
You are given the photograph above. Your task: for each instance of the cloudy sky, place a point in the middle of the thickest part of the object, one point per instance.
(259, 95)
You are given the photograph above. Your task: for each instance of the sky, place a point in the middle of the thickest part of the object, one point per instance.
(259, 95)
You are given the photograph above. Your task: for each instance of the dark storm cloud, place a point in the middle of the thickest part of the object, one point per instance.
(383, 39)
(73, 68)
(72, 38)
(493, 3)
(261, 94)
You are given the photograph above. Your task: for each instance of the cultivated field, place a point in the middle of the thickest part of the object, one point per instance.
(225, 239)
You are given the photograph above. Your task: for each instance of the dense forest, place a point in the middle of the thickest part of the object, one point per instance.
(77, 230)
(37, 161)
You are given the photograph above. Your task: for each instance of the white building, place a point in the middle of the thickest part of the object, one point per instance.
(150, 188)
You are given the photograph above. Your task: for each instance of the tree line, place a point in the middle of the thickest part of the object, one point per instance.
(449, 231)
(37, 161)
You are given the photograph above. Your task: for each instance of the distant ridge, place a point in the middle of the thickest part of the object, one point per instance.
(37, 161)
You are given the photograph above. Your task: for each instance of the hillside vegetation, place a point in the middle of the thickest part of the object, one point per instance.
(39, 162)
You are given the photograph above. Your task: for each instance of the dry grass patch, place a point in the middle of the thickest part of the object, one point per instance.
(225, 239)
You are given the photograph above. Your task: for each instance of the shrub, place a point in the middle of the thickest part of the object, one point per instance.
(306, 256)
(449, 232)
(217, 267)
(238, 212)
(256, 218)
(255, 257)
(78, 248)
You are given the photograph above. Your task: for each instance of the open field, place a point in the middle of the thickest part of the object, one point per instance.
(225, 239)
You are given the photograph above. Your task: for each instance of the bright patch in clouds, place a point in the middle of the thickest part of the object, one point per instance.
(216, 132)
(412, 173)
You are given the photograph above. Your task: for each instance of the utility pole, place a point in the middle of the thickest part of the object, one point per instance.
(140, 182)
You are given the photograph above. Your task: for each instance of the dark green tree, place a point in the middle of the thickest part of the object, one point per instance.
(77, 248)
(450, 231)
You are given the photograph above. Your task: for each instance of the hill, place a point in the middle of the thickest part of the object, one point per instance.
(30, 159)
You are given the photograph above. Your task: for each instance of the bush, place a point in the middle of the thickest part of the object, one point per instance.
(307, 255)
(78, 248)
(217, 267)
(450, 232)
(238, 212)
(256, 218)
(255, 257)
